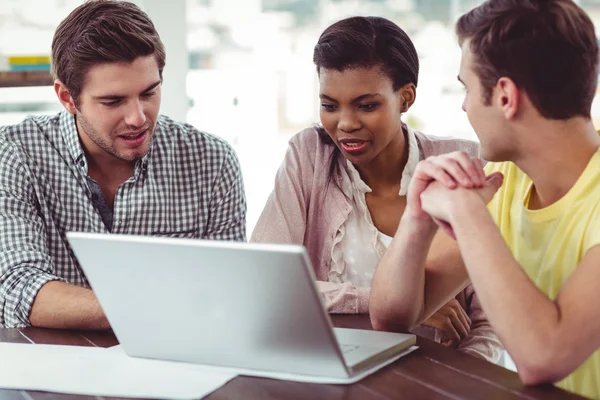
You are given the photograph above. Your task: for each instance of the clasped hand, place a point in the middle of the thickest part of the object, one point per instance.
(441, 183)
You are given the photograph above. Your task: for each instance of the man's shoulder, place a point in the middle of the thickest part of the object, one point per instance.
(29, 128)
(29, 134)
(186, 137)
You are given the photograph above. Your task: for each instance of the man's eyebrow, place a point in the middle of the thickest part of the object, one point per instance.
(108, 97)
(151, 87)
(114, 97)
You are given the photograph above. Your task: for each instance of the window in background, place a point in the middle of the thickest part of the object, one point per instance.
(252, 80)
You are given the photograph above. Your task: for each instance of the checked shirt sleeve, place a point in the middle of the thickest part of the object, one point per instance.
(227, 219)
(25, 264)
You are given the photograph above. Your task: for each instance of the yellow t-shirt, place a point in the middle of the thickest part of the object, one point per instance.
(549, 243)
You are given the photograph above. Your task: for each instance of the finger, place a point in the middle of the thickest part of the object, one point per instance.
(438, 173)
(461, 314)
(459, 317)
(450, 330)
(452, 167)
(495, 177)
(464, 317)
(473, 167)
(493, 183)
(480, 170)
(461, 328)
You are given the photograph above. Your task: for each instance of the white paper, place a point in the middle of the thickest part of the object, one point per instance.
(110, 372)
(99, 372)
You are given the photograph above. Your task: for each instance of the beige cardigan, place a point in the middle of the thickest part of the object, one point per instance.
(303, 209)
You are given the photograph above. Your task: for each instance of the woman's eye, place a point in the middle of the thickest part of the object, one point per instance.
(328, 107)
(368, 106)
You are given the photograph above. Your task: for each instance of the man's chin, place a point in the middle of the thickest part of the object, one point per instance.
(133, 155)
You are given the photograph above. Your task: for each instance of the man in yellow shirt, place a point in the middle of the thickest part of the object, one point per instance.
(530, 68)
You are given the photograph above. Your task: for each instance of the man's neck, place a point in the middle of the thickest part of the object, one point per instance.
(108, 171)
(555, 158)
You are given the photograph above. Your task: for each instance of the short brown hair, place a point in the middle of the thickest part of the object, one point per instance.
(102, 31)
(547, 47)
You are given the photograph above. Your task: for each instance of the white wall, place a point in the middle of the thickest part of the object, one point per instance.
(169, 17)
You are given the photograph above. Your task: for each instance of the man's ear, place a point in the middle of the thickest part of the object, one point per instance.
(507, 97)
(64, 96)
(408, 95)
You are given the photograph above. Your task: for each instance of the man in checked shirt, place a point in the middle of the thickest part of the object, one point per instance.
(107, 163)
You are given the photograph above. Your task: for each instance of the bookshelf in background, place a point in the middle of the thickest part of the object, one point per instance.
(25, 70)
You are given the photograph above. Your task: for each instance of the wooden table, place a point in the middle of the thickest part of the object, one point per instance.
(431, 372)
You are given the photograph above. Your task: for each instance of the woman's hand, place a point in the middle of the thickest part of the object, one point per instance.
(451, 319)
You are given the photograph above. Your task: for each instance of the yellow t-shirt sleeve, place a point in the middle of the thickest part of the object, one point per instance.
(592, 237)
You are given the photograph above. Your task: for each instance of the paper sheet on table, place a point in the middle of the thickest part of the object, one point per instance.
(99, 372)
(110, 372)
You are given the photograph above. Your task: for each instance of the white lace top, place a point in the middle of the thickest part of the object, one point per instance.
(358, 245)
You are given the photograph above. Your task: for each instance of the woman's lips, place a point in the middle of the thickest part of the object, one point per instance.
(354, 147)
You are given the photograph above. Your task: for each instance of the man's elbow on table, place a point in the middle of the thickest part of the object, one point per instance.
(390, 319)
(548, 366)
(537, 375)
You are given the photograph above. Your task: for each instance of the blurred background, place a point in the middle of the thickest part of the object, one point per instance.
(242, 69)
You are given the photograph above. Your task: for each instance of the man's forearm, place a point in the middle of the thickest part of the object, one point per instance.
(397, 294)
(64, 306)
(522, 316)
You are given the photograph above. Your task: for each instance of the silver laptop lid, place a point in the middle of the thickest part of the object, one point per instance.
(221, 303)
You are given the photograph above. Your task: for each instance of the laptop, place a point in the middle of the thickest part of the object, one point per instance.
(230, 304)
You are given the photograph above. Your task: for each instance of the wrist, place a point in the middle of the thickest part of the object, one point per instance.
(465, 204)
(418, 223)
